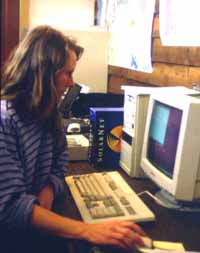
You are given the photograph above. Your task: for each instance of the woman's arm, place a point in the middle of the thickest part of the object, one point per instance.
(58, 172)
(15, 203)
(124, 234)
(46, 197)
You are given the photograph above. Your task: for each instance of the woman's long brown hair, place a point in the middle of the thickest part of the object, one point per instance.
(29, 75)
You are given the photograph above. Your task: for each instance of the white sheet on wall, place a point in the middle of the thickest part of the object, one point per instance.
(61, 13)
(179, 22)
(130, 24)
(76, 18)
(92, 68)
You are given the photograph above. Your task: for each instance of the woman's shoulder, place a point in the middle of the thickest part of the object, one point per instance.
(7, 110)
(10, 119)
(8, 116)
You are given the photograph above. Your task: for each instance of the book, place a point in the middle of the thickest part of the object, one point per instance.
(105, 138)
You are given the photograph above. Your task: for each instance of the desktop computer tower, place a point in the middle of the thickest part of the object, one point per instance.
(135, 112)
(136, 100)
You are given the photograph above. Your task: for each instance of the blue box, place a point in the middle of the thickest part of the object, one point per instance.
(105, 140)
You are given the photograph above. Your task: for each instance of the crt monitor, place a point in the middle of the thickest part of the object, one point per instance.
(171, 149)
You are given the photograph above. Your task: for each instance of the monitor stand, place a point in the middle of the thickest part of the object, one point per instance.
(167, 200)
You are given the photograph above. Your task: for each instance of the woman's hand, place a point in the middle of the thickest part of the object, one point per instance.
(124, 234)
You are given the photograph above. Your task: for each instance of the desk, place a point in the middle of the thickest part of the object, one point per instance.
(168, 226)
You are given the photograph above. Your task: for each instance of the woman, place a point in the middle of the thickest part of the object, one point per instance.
(32, 145)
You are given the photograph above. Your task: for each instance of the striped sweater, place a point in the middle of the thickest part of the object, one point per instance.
(27, 163)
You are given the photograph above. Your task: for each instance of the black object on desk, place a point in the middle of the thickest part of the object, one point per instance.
(81, 107)
(69, 98)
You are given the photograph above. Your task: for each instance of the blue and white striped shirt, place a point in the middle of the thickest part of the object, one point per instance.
(27, 163)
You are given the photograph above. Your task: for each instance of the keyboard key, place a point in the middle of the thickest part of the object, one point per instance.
(130, 210)
(124, 201)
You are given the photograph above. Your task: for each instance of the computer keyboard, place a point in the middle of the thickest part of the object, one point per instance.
(104, 196)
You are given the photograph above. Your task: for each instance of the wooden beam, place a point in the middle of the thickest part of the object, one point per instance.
(178, 55)
(115, 83)
(168, 75)
(155, 32)
(163, 75)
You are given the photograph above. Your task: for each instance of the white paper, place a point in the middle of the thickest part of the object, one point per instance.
(179, 22)
(144, 250)
(130, 24)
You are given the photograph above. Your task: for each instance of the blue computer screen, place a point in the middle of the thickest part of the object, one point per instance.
(163, 137)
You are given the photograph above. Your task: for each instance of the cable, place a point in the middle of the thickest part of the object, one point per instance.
(158, 201)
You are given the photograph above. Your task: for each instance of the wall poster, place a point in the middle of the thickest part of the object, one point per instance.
(130, 26)
(179, 22)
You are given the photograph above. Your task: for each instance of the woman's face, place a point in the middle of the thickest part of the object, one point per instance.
(64, 77)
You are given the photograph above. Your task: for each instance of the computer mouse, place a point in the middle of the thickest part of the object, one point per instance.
(74, 128)
(148, 243)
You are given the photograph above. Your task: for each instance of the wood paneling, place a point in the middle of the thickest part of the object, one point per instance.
(155, 31)
(9, 27)
(172, 66)
(24, 18)
(116, 82)
(162, 75)
(168, 75)
(177, 55)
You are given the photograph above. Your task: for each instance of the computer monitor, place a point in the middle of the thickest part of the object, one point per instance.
(171, 149)
(136, 100)
(68, 99)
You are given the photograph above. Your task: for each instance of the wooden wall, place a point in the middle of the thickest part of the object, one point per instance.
(9, 38)
(171, 66)
(9, 27)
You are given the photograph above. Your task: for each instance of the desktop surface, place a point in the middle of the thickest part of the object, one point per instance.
(169, 225)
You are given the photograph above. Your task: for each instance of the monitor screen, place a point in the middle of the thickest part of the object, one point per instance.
(163, 137)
